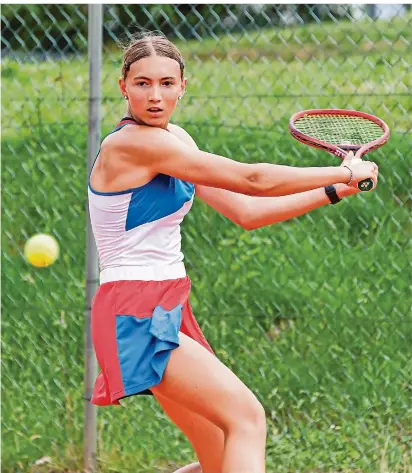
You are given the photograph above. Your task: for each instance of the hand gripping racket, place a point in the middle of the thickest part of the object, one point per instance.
(340, 131)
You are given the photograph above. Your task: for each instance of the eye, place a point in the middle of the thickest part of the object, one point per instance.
(168, 83)
(141, 83)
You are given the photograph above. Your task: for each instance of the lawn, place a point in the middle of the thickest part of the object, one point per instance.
(312, 314)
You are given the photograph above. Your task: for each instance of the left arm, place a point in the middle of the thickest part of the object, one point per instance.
(252, 212)
(255, 212)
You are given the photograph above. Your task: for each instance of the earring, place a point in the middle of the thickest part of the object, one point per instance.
(180, 97)
(125, 97)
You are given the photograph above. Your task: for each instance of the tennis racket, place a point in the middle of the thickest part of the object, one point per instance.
(340, 131)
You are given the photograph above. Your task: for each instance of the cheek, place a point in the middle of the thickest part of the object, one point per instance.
(137, 97)
(171, 96)
(137, 92)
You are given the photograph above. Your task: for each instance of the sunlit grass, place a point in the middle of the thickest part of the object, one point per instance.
(312, 314)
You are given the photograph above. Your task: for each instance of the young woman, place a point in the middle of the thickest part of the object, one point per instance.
(142, 184)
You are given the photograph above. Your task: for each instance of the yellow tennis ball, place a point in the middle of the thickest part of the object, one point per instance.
(41, 250)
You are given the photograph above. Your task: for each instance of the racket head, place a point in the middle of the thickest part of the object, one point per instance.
(339, 131)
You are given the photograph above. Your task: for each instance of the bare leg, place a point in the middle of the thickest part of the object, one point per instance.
(194, 378)
(192, 468)
(206, 438)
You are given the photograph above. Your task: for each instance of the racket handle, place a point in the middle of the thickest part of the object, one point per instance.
(366, 185)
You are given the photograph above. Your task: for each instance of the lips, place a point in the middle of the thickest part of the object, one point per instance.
(154, 110)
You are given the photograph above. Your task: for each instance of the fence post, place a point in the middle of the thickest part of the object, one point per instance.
(371, 10)
(95, 35)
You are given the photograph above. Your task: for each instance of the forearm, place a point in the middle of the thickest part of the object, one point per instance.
(278, 180)
(262, 211)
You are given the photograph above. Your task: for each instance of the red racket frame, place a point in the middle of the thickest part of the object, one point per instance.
(340, 150)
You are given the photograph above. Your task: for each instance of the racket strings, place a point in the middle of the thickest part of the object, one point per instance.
(339, 129)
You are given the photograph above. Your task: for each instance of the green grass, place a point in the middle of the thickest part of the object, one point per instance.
(312, 314)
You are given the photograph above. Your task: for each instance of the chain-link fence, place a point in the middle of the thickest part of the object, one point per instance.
(312, 313)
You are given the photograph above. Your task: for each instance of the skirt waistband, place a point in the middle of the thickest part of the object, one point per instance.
(143, 273)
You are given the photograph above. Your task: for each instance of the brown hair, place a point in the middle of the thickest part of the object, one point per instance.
(147, 44)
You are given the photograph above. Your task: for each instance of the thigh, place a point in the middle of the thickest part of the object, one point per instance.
(206, 438)
(196, 379)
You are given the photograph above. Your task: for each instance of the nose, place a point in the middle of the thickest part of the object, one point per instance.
(155, 95)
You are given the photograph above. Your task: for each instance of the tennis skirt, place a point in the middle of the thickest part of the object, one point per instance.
(135, 327)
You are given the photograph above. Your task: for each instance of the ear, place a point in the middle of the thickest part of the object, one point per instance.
(184, 84)
(122, 86)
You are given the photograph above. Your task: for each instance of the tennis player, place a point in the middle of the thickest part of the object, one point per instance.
(141, 186)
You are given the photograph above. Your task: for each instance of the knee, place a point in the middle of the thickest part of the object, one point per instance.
(256, 415)
(249, 415)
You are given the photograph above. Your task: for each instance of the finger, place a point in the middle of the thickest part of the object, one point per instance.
(358, 154)
(347, 159)
(375, 172)
(349, 156)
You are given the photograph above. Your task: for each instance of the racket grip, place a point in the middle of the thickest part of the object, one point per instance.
(366, 185)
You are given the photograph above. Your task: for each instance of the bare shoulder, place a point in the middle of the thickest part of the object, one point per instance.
(115, 169)
(147, 147)
(133, 137)
(182, 134)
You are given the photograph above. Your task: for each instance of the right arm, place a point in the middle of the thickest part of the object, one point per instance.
(162, 152)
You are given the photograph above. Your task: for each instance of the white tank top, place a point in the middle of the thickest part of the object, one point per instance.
(140, 226)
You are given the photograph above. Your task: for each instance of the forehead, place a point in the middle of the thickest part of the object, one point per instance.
(155, 67)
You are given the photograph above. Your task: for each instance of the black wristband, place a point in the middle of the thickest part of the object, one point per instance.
(331, 193)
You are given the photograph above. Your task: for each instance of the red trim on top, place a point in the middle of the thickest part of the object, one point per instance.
(125, 122)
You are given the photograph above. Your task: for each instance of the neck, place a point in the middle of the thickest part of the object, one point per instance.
(129, 114)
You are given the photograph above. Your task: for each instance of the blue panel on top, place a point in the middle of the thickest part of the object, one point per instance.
(162, 196)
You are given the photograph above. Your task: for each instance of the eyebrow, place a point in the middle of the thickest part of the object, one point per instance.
(147, 78)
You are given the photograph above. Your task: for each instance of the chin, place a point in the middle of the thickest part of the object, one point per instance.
(160, 122)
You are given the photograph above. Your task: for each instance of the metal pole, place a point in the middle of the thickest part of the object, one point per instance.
(371, 10)
(95, 42)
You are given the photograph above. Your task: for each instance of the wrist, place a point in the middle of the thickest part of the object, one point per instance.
(341, 190)
(345, 191)
(332, 195)
(346, 175)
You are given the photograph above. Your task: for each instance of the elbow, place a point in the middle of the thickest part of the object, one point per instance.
(257, 183)
(248, 227)
(245, 220)
(254, 185)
